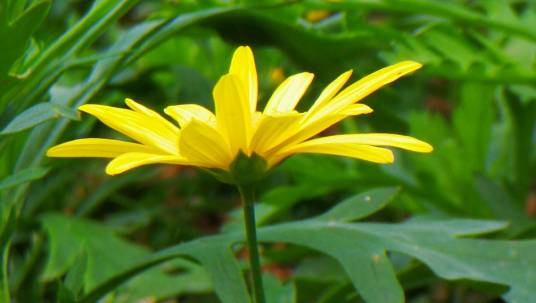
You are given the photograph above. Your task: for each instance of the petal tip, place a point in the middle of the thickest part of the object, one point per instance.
(89, 108)
(51, 152)
(427, 148)
(389, 158)
(413, 65)
(130, 102)
(421, 146)
(112, 170)
(168, 110)
(85, 107)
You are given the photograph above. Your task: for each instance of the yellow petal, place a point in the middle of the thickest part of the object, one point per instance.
(132, 160)
(310, 128)
(394, 140)
(352, 150)
(243, 66)
(366, 86)
(97, 148)
(148, 112)
(273, 130)
(356, 109)
(288, 94)
(329, 92)
(232, 113)
(140, 127)
(184, 113)
(204, 146)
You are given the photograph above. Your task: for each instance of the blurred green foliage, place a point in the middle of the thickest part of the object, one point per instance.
(69, 233)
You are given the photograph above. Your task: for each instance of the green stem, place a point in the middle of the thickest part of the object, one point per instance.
(247, 193)
(5, 295)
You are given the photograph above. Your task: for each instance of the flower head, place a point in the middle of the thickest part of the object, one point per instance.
(238, 131)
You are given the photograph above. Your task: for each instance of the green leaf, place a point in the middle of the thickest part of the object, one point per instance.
(361, 249)
(65, 111)
(18, 33)
(453, 48)
(277, 291)
(215, 256)
(527, 93)
(8, 223)
(503, 205)
(130, 45)
(37, 114)
(359, 206)
(473, 122)
(302, 45)
(443, 9)
(91, 253)
(64, 294)
(23, 176)
(320, 268)
(33, 116)
(54, 60)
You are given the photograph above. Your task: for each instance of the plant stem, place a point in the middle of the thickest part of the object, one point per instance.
(5, 296)
(247, 193)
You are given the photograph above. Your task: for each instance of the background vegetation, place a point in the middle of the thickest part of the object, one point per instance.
(69, 233)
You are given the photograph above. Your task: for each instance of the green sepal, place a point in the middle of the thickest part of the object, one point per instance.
(244, 170)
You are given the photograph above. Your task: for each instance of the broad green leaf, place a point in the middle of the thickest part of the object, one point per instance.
(432, 242)
(275, 202)
(319, 269)
(361, 248)
(23, 176)
(359, 206)
(283, 198)
(90, 253)
(215, 256)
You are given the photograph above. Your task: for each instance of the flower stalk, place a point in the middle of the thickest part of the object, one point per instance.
(247, 194)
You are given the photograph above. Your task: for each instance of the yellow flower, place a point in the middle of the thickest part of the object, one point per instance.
(215, 140)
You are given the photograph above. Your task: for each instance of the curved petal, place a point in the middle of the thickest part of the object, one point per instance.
(366, 86)
(232, 113)
(184, 113)
(352, 150)
(356, 109)
(310, 128)
(204, 146)
(149, 112)
(97, 148)
(243, 66)
(129, 161)
(288, 94)
(273, 130)
(140, 127)
(328, 93)
(378, 139)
